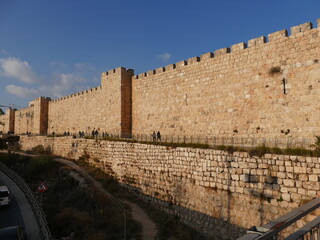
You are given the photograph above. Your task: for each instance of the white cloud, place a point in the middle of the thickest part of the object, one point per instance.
(22, 91)
(84, 66)
(56, 85)
(15, 68)
(164, 56)
(61, 84)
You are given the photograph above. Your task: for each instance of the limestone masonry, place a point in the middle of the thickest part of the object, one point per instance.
(217, 193)
(267, 87)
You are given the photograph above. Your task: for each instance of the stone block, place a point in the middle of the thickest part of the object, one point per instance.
(206, 56)
(193, 60)
(277, 35)
(286, 197)
(238, 47)
(221, 52)
(313, 178)
(256, 41)
(288, 182)
(301, 28)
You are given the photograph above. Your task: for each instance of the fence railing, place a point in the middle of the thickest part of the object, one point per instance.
(45, 232)
(245, 142)
(271, 230)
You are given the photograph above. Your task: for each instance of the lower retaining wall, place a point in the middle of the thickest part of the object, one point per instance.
(217, 193)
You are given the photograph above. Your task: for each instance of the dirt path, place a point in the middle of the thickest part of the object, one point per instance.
(149, 229)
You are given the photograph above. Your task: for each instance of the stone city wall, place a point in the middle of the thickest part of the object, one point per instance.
(217, 193)
(4, 120)
(33, 119)
(3, 123)
(24, 120)
(268, 87)
(98, 108)
(7, 121)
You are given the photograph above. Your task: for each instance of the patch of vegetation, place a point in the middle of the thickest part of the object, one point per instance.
(85, 212)
(169, 227)
(89, 214)
(274, 70)
(3, 144)
(40, 164)
(261, 150)
(39, 149)
(85, 156)
(317, 145)
(258, 151)
(108, 181)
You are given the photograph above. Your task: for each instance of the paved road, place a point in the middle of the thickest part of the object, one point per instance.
(10, 215)
(20, 212)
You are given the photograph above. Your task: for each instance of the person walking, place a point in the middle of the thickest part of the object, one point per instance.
(159, 136)
(154, 136)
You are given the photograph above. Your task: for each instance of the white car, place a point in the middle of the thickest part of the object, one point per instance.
(4, 196)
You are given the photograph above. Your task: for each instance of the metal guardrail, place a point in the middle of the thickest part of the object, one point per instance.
(270, 230)
(246, 142)
(311, 231)
(45, 232)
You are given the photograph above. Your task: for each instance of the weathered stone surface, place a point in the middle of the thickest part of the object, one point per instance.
(184, 177)
(263, 91)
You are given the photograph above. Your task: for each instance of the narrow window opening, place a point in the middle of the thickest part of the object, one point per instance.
(284, 86)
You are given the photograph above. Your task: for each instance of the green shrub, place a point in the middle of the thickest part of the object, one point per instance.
(297, 151)
(3, 144)
(259, 151)
(85, 156)
(39, 149)
(274, 70)
(276, 150)
(41, 163)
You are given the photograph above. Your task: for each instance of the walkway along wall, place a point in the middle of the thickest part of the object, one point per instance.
(217, 193)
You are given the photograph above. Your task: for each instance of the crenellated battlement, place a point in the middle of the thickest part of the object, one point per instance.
(301, 28)
(265, 87)
(236, 48)
(88, 91)
(117, 71)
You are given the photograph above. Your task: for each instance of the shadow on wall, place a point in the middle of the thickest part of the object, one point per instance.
(207, 226)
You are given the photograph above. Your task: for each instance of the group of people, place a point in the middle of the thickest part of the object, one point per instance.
(82, 134)
(66, 133)
(156, 136)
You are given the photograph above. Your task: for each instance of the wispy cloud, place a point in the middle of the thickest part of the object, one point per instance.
(22, 91)
(20, 70)
(57, 64)
(164, 56)
(84, 66)
(59, 83)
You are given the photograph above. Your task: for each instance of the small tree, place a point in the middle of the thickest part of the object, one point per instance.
(317, 145)
(1, 112)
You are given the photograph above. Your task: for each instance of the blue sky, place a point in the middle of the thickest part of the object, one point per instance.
(58, 47)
